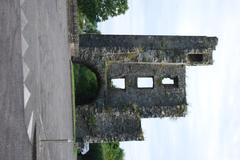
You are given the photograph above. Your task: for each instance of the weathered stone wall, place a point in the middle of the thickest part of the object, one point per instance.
(166, 98)
(146, 98)
(167, 49)
(147, 41)
(115, 115)
(95, 125)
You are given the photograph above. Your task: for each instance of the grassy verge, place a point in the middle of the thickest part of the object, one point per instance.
(73, 107)
(73, 102)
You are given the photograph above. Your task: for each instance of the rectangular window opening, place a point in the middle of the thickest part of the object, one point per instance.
(170, 82)
(118, 83)
(198, 58)
(145, 82)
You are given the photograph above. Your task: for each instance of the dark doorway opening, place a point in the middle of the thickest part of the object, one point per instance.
(197, 58)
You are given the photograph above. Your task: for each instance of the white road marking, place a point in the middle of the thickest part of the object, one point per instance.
(40, 117)
(27, 95)
(24, 20)
(25, 71)
(30, 127)
(24, 46)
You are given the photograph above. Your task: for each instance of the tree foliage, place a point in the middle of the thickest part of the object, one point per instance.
(101, 10)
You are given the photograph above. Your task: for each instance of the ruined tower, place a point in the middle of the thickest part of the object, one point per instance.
(116, 112)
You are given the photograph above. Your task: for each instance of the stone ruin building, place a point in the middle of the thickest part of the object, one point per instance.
(116, 113)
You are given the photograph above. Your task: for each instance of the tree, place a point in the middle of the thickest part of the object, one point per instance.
(101, 10)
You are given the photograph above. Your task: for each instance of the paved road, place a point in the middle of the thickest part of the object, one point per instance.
(35, 72)
(14, 143)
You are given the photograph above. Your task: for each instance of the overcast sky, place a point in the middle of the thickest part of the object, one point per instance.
(211, 130)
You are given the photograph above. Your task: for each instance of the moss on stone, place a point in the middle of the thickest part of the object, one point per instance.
(91, 121)
(132, 56)
(159, 81)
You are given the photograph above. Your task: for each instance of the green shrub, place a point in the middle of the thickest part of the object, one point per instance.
(86, 84)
